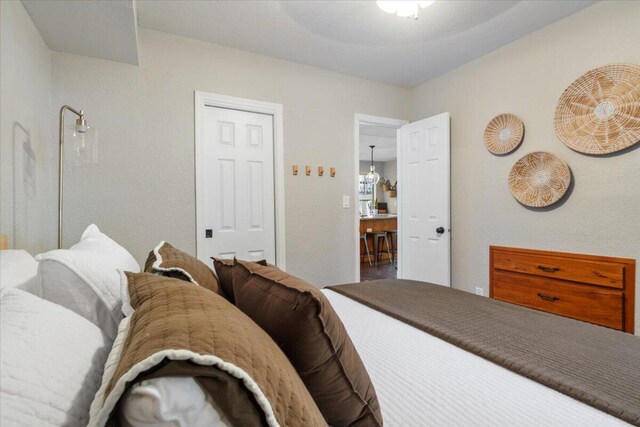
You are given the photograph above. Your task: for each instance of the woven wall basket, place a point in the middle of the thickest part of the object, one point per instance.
(539, 179)
(503, 134)
(600, 112)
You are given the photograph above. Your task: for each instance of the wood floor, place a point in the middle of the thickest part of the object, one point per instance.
(384, 270)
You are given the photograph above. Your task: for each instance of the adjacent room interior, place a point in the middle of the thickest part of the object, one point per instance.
(319, 213)
(377, 201)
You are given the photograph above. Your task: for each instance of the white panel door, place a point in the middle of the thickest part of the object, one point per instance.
(235, 186)
(423, 211)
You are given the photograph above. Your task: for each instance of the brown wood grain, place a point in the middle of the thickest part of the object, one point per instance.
(592, 304)
(579, 270)
(591, 288)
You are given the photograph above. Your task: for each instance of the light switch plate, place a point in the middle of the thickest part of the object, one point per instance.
(346, 202)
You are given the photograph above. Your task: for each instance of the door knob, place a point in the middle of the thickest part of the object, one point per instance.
(440, 230)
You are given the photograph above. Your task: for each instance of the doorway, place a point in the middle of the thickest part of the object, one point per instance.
(239, 179)
(375, 225)
(423, 197)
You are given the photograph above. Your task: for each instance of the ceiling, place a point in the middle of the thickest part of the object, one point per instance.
(100, 29)
(384, 139)
(356, 37)
(352, 37)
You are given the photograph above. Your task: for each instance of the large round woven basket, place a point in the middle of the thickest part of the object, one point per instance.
(539, 179)
(503, 134)
(600, 112)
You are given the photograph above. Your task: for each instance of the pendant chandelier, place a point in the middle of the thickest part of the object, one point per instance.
(373, 177)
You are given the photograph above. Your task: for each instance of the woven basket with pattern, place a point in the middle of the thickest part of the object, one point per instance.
(503, 134)
(600, 112)
(539, 179)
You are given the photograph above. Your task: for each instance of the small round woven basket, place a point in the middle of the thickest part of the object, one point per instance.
(539, 179)
(600, 112)
(503, 134)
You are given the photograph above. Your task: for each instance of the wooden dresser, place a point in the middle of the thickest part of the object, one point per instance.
(594, 289)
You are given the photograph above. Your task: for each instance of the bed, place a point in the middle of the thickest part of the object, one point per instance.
(421, 376)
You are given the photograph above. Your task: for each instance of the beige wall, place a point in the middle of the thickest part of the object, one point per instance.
(143, 189)
(602, 213)
(390, 172)
(27, 149)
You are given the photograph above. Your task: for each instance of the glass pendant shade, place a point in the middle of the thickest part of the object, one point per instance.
(373, 177)
(82, 142)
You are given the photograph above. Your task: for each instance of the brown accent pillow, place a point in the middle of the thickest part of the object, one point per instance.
(169, 261)
(177, 329)
(224, 270)
(302, 322)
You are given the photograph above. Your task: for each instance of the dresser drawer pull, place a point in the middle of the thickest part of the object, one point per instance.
(548, 269)
(548, 297)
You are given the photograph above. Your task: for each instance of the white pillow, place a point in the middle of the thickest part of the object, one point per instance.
(51, 362)
(18, 269)
(170, 402)
(85, 278)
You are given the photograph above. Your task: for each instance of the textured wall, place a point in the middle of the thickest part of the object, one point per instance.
(27, 147)
(143, 189)
(602, 213)
(390, 172)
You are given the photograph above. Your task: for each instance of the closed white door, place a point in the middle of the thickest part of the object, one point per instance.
(424, 191)
(235, 186)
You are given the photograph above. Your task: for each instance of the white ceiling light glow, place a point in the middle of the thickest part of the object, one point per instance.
(404, 9)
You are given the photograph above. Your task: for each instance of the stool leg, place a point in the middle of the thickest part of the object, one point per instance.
(386, 241)
(366, 247)
(394, 243)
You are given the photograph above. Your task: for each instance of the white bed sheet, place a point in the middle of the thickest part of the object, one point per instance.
(423, 381)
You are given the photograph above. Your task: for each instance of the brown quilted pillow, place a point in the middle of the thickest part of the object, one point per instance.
(169, 261)
(177, 329)
(302, 322)
(224, 270)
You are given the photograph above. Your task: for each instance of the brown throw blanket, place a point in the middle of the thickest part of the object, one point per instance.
(178, 329)
(592, 364)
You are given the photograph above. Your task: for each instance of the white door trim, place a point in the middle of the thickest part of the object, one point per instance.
(207, 99)
(369, 120)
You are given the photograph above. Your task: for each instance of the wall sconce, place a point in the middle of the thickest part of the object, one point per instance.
(85, 148)
(295, 170)
(307, 170)
(320, 171)
(332, 172)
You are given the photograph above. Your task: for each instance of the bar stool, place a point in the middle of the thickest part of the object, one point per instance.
(366, 247)
(393, 238)
(376, 244)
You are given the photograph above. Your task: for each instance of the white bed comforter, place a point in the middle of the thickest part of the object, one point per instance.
(424, 381)
(421, 381)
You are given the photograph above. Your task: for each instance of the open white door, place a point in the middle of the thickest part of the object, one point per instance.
(424, 237)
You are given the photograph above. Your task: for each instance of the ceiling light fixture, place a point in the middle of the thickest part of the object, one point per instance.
(404, 9)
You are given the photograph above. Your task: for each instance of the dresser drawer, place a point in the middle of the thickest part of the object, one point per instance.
(577, 270)
(588, 303)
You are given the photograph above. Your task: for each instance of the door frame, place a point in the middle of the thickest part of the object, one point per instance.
(366, 119)
(207, 99)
